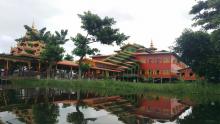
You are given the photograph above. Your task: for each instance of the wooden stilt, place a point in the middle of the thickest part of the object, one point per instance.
(71, 69)
(7, 68)
(39, 67)
(29, 65)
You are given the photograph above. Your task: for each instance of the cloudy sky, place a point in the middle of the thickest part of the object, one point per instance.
(143, 20)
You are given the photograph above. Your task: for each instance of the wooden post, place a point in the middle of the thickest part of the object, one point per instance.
(29, 65)
(55, 73)
(39, 67)
(71, 69)
(7, 68)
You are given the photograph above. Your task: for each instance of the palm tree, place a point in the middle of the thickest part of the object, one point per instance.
(32, 34)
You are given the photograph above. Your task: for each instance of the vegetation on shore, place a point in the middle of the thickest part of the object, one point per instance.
(200, 50)
(112, 87)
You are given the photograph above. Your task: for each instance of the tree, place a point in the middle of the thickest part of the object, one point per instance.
(33, 34)
(207, 14)
(98, 30)
(68, 57)
(215, 58)
(53, 52)
(200, 50)
(196, 50)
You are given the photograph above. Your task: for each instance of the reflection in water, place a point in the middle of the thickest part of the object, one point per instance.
(45, 113)
(161, 108)
(78, 117)
(51, 106)
(208, 113)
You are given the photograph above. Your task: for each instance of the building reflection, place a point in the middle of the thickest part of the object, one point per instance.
(36, 105)
(161, 108)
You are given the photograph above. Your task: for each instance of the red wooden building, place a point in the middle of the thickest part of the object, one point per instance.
(146, 63)
(187, 74)
(160, 65)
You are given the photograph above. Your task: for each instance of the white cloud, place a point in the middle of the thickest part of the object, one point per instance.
(6, 43)
(143, 20)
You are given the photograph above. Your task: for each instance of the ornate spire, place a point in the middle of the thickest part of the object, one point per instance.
(33, 25)
(152, 48)
(151, 44)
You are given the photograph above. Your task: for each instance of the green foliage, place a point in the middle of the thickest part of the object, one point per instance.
(33, 34)
(52, 53)
(111, 87)
(45, 113)
(68, 57)
(199, 50)
(85, 67)
(215, 39)
(98, 30)
(193, 46)
(75, 118)
(203, 114)
(82, 48)
(207, 14)
(101, 29)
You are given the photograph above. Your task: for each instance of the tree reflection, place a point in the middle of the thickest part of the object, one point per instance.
(45, 113)
(203, 114)
(78, 117)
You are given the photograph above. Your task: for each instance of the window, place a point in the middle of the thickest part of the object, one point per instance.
(150, 60)
(158, 72)
(158, 61)
(166, 72)
(166, 60)
(182, 74)
(190, 74)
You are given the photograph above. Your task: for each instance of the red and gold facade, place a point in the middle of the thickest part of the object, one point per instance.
(159, 65)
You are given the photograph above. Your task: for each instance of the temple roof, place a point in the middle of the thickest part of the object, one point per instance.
(68, 63)
(133, 45)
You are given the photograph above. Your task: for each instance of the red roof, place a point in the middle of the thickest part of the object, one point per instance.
(67, 63)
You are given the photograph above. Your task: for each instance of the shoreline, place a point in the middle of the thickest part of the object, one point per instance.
(121, 87)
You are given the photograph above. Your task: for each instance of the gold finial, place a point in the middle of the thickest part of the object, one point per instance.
(33, 24)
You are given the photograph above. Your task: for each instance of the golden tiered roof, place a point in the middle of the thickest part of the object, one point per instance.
(28, 48)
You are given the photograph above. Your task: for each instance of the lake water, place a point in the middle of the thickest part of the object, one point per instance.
(55, 106)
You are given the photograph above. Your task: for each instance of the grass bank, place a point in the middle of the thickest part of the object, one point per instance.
(112, 87)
